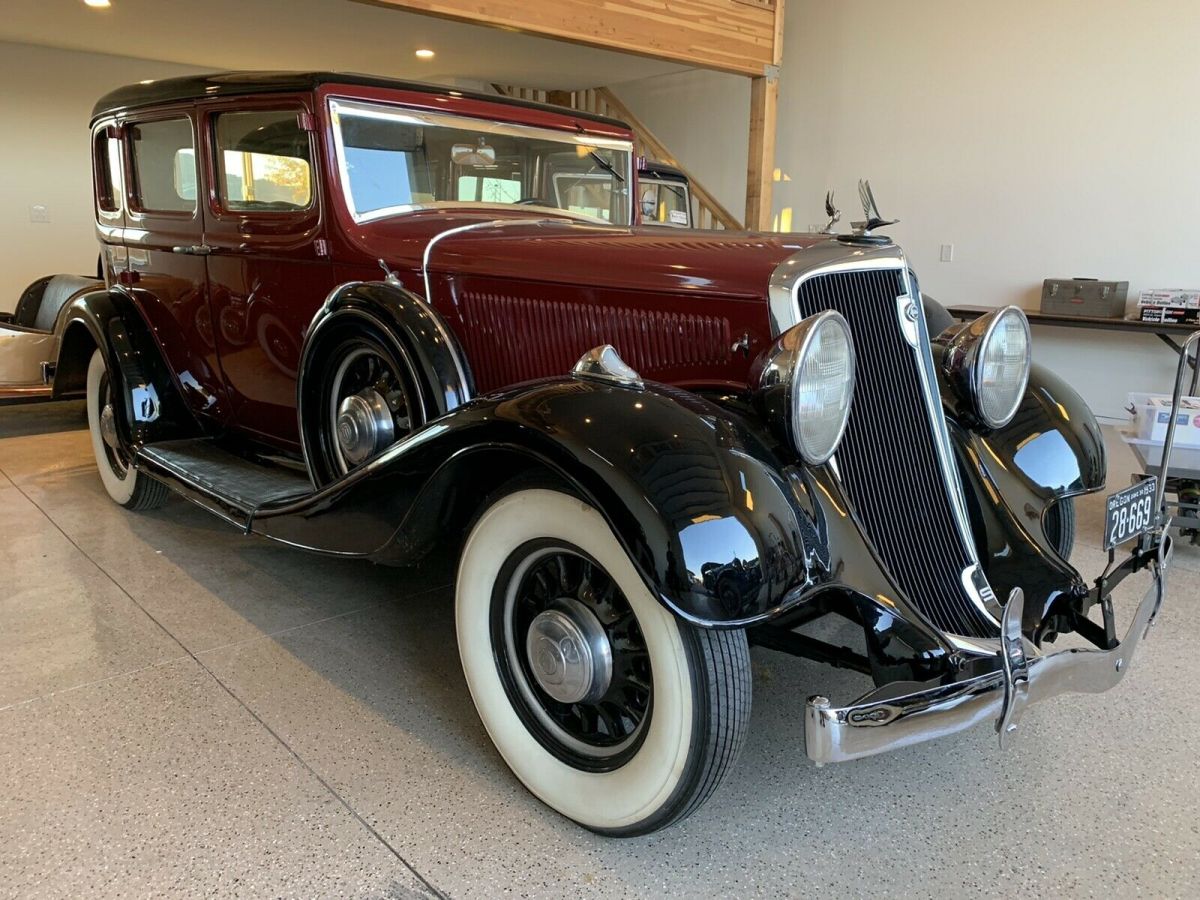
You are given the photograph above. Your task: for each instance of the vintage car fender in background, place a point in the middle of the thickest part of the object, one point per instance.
(30, 336)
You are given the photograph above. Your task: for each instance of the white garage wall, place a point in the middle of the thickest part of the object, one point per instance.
(45, 158)
(1042, 139)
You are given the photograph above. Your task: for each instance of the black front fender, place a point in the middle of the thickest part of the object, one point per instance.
(693, 494)
(1053, 449)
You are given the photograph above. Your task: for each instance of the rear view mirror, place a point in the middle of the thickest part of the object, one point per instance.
(477, 156)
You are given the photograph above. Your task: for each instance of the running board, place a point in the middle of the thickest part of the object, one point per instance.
(25, 393)
(228, 485)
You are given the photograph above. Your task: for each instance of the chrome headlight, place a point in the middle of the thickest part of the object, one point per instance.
(988, 362)
(806, 382)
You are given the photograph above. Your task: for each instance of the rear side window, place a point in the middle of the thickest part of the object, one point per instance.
(107, 156)
(164, 166)
(264, 161)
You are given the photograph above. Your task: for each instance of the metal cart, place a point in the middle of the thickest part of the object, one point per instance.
(1179, 487)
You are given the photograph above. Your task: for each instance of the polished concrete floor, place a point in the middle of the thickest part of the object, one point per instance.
(184, 710)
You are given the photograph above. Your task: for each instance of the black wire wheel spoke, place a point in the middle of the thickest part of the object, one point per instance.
(574, 663)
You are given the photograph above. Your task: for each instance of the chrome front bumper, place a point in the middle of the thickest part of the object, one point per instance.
(837, 734)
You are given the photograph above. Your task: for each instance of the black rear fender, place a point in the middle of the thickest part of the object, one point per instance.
(152, 408)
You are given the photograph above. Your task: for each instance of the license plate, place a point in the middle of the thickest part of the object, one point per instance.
(1129, 513)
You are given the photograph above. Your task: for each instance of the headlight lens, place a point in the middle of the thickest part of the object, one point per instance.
(806, 381)
(988, 363)
(1002, 367)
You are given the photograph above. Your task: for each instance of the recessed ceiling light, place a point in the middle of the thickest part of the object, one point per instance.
(98, 4)
(425, 53)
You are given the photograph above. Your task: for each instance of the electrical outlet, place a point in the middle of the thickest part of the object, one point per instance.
(947, 253)
(39, 214)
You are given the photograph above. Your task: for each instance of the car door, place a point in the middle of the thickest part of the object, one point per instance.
(268, 267)
(164, 251)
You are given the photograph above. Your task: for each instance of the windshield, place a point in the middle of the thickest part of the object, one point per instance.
(664, 203)
(392, 160)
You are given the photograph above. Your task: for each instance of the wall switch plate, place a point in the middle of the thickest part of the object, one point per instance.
(39, 214)
(947, 253)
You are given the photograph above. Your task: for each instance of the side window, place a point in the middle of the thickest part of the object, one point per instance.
(164, 166)
(264, 163)
(106, 154)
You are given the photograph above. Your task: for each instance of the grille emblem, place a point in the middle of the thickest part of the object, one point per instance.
(906, 311)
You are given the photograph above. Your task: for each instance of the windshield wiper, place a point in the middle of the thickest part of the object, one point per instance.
(606, 165)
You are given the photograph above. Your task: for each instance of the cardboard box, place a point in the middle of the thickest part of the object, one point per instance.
(1171, 298)
(1171, 315)
(1152, 415)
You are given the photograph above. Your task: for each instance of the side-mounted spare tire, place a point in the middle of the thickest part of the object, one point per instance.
(378, 362)
(608, 707)
(360, 394)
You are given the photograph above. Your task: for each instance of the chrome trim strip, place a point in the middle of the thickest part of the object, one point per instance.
(576, 218)
(427, 255)
(833, 257)
(833, 734)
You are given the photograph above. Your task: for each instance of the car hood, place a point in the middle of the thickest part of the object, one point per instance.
(536, 246)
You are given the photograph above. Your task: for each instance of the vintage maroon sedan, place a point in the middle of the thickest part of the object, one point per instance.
(370, 318)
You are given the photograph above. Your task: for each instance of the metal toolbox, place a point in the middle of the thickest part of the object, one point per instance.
(1085, 297)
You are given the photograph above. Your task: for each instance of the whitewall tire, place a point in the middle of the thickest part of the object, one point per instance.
(124, 484)
(608, 707)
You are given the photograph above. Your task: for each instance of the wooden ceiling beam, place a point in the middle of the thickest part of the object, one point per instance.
(737, 36)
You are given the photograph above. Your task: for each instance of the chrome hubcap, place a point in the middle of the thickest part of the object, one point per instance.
(108, 427)
(569, 653)
(364, 425)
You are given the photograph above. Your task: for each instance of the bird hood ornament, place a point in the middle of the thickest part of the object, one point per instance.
(870, 211)
(835, 214)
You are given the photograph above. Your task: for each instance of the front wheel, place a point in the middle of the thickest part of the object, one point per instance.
(124, 484)
(609, 708)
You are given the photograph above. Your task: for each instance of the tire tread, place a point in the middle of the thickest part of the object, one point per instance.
(721, 658)
(147, 494)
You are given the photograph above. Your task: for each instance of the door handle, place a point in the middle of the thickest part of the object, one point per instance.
(194, 250)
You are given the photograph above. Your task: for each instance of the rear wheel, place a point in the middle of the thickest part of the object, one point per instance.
(125, 485)
(609, 708)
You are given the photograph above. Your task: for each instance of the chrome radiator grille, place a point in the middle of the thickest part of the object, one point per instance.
(889, 459)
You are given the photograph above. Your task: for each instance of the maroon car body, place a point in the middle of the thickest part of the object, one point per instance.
(235, 318)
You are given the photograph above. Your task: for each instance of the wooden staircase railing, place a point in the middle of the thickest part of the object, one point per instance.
(710, 214)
